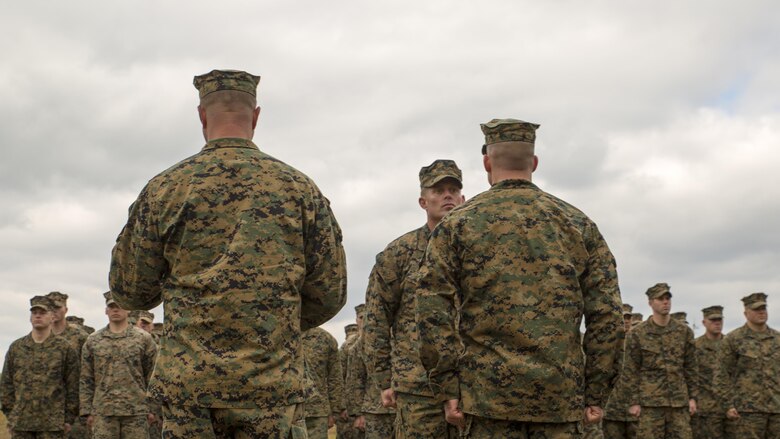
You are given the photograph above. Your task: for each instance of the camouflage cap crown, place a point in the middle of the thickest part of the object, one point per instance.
(42, 302)
(658, 290)
(145, 316)
(680, 316)
(74, 319)
(755, 300)
(352, 327)
(359, 309)
(57, 298)
(218, 80)
(438, 171)
(637, 317)
(713, 312)
(627, 309)
(108, 297)
(508, 130)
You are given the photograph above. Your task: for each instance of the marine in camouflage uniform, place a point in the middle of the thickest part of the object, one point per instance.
(618, 424)
(245, 253)
(681, 317)
(76, 336)
(376, 421)
(145, 321)
(660, 370)
(390, 332)
(709, 421)
(636, 318)
(354, 381)
(39, 383)
(116, 363)
(526, 267)
(344, 429)
(749, 375)
(321, 351)
(79, 322)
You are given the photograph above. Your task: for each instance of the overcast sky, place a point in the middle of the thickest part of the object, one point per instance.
(660, 120)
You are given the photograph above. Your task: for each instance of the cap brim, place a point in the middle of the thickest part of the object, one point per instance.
(756, 305)
(39, 307)
(714, 316)
(442, 177)
(146, 319)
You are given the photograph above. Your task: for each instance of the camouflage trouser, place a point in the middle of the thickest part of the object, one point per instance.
(345, 429)
(664, 423)
(592, 431)
(188, 422)
(16, 434)
(708, 426)
(317, 427)
(120, 427)
(485, 428)
(420, 417)
(155, 430)
(379, 426)
(79, 429)
(754, 426)
(619, 429)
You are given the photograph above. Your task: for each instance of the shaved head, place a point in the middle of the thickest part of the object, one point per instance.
(228, 101)
(512, 156)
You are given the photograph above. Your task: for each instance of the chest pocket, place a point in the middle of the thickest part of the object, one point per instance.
(748, 359)
(652, 356)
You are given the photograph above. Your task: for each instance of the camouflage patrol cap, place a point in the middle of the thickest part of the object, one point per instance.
(627, 309)
(713, 312)
(58, 299)
(755, 300)
(74, 319)
(351, 328)
(438, 171)
(218, 80)
(109, 299)
(658, 290)
(359, 309)
(680, 316)
(508, 130)
(145, 316)
(637, 317)
(41, 302)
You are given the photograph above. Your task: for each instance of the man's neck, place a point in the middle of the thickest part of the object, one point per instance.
(118, 327)
(757, 327)
(40, 335)
(59, 327)
(711, 336)
(661, 319)
(497, 176)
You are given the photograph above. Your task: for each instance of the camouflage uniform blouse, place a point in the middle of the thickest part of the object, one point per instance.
(363, 394)
(115, 371)
(40, 384)
(660, 365)
(390, 329)
(526, 267)
(749, 373)
(707, 354)
(321, 352)
(244, 252)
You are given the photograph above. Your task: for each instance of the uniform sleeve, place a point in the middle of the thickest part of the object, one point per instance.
(354, 383)
(631, 368)
(383, 297)
(87, 380)
(72, 377)
(604, 331)
(335, 379)
(437, 286)
(324, 290)
(691, 366)
(150, 356)
(138, 265)
(724, 374)
(7, 394)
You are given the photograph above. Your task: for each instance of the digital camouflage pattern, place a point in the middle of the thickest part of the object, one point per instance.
(39, 390)
(660, 365)
(438, 171)
(115, 372)
(664, 422)
(509, 130)
(749, 369)
(421, 417)
(218, 80)
(75, 336)
(379, 426)
(707, 354)
(390, 329)
(619, 401)
(344, 428)
(245, 253)
(321, 351)
(619, 429)
(485, 428)
(281, 422)
(527, 267)
(362, 393)
(120, 427)
(709, 426)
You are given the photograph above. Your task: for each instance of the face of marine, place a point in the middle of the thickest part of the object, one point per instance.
(146, 326)
(441, 198)
(58, 313)
(40, 318)
(626, 322)
(714, 326)
(116, 314)
(758, 316)
(662, 305)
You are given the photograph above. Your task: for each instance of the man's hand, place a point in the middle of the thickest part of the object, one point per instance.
(453, 414)
(692, 406)
(150, 418)
(388, 398)
(732, 413)
(593, 414)
(344, 415)
(67, 428)
(331, 421)
(90, 421)
(635, 411)
(360, 423)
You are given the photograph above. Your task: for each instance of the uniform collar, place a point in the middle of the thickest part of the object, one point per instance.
(514, 184)
(229, 142)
